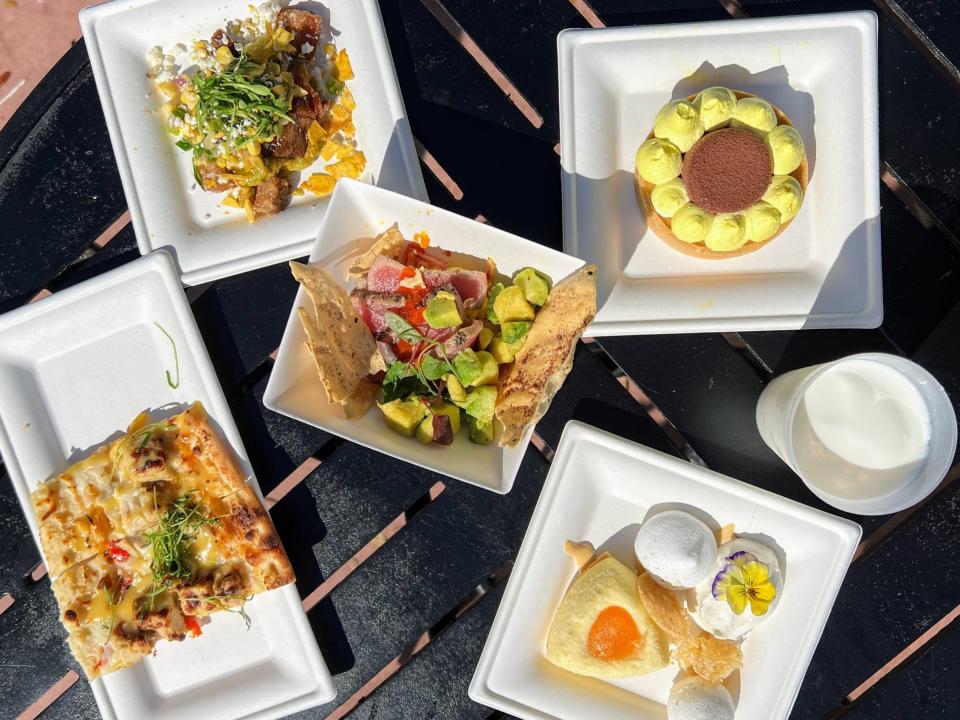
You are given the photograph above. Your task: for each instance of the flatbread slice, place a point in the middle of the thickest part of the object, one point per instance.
(338, 339)
(243, 529)
(390, 242)
(546, 357)
(112, 618)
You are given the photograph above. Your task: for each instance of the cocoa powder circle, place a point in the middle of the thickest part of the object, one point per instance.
(727, 170)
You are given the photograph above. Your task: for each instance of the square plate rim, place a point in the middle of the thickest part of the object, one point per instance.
(160, 262)
(271, 395)
(576, 432)
(89, 17)
(867, 23)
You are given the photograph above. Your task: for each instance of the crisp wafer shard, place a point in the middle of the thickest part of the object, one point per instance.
(546, 357)
(664, 608)
(340, 342)
(389, 243)
(709, 657)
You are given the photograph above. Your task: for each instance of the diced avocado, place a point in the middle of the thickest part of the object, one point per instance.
(511, 305)
(481, 432)
(514, 332)
(403, 416)
(452, 412)
(486, 335)
(425, 430)
(504, 352)
(455, 388)
(480, 402)
(489, 370)
(467, 366)
(442, 311)
(491, 299)
(535, 285)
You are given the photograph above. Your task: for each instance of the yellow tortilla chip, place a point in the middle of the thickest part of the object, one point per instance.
(390, 242)
(340, 342)
(350, 166)
(546, 357)
(320, 184)
(344, 69)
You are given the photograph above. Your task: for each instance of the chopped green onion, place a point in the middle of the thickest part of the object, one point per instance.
(176, 355)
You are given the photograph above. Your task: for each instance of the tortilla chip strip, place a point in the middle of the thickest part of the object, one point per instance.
(390, 242)
(546, 357)
(338, 339)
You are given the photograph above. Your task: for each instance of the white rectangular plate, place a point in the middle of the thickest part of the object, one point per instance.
(359, 212)
(824, 270)
(600, 488)
(168, 210)
(75, 369)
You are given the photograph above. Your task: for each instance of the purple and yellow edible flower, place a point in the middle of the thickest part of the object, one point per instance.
(745, 580)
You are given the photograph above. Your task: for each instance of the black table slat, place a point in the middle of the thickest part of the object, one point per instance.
(427, 688)
(242, 319)
(888, 599)
(927, 682)
(58, 191)
(119, 251)
(34, 655)
(427, 568)
(938, 21)
(917, 104)
(710, 393)
(275, 444)
(591, 394)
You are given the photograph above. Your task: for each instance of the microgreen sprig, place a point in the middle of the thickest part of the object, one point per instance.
(176, 357)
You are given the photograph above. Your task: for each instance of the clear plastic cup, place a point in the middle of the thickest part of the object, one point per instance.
(780, 403)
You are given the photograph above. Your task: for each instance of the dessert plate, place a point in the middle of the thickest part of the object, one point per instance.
(360, 211)
(167, 210)
(824, 270)
(77, 367)
(600, 488)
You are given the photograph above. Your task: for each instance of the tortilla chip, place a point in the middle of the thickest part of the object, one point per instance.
(390, 242)
(546, 357)
(363, 398)
(338, 339)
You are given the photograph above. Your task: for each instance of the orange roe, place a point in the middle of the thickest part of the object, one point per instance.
(422, 239)
(614, 635)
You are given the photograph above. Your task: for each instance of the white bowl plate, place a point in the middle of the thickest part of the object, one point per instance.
(824, 270)
(357, 213)
(600, 488)
(167, 209)
(76, 368)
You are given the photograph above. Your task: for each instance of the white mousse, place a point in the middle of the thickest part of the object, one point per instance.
(676, 549)
(694, 698)
(715, 615)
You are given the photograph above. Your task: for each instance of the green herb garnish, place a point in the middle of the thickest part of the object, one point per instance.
(176, 355)
(238, 104)
(418, 375)
(171, 541)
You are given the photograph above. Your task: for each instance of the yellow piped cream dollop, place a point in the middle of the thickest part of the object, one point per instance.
(763, 221)
(786, 146)
(679, 122)
(691, 223)
(658, 161)
(727, 232)
(786, 195)
(716, 106)
(669, 197)
(754, 113)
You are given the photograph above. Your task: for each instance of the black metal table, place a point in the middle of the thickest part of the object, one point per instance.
(402, 570)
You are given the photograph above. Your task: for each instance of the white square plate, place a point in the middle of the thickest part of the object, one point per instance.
(599, 488)
(824, 270)
(75, 369)
(167, 209)
(357, 213)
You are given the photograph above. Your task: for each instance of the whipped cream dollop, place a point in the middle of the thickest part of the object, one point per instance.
(745, 573)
